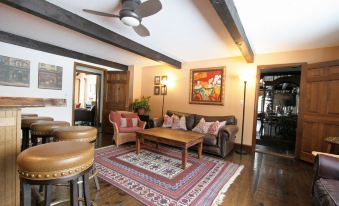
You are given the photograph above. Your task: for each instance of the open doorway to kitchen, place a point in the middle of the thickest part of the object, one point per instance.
(88, 93)
(277, 108)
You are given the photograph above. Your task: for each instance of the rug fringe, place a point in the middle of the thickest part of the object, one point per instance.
(220, 197)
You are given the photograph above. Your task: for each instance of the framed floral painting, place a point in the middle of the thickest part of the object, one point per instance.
(207, 86)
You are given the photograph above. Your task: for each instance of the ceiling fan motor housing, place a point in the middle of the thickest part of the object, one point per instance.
(129, 13)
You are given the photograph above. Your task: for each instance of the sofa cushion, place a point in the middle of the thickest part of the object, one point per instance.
(326, 192)
(190, 121)
(228, 119)
(129, 129)
(210, 139)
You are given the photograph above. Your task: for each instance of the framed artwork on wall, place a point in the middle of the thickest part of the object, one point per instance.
(207, 86)
(14, 72)
(156, 90)
(156, 80)
(163, 78)
(50, 77)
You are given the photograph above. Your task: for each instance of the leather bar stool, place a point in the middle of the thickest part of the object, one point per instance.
(44, 130)
(28, 115)
(78, 134)
(26, 122)
(56, 163)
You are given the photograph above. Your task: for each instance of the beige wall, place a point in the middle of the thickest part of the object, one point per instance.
(178, 90)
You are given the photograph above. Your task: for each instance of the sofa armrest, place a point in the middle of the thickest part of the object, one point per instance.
(326, 166)
(157, 121)
(225, 139)
(231, 130)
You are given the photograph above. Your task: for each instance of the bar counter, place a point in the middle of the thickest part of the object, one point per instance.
(10, 143)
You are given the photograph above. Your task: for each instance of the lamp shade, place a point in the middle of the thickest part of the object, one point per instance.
(245, 77)
(164, 82)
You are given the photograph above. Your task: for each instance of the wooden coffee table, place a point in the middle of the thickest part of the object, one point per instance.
(178, 138)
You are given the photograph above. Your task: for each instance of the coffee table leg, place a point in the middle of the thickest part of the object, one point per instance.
(184, 158)
(199, 150)
(137, 143)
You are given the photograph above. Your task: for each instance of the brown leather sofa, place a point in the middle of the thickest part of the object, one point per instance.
(220, 145)
(325, 190)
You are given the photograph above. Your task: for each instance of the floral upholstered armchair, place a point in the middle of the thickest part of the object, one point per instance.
(125, 124)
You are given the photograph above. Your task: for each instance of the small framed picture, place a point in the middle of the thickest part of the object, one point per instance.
(156, 90)
(163, 78)
(163, 90)
(156, 80)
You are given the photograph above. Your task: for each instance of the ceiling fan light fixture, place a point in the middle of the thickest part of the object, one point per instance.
(130, 21)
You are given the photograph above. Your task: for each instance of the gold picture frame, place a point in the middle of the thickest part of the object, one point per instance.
(207, 86)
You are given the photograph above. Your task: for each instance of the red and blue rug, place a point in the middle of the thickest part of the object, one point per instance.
(155, 177)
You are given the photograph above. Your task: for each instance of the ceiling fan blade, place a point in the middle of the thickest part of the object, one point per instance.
(100, 13)
(149, 8)
(141, 30)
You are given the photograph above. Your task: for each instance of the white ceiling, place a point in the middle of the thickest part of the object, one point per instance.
(284, 25)
(186, 30)
(190, 30)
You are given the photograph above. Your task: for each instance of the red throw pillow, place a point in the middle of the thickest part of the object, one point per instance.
(132, 122)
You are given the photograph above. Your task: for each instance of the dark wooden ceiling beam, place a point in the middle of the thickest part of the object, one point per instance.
(55, 14)
(41, 46)
(230, 18)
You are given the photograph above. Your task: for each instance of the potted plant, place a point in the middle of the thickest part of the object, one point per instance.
(141, 105)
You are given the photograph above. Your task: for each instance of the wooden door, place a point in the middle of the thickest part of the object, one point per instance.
(116, 95)
(319, 107)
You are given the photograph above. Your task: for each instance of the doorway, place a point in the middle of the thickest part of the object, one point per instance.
(88, 92)
(277, 109)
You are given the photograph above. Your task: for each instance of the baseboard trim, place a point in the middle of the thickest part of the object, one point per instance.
(247, 148)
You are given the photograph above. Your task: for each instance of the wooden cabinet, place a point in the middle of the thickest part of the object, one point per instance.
(319, 107)
(10, 142)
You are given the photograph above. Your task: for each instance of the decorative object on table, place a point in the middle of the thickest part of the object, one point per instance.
(156, 80)
(156, 90)
(14, 71)
(163, 92)
(155, 177)
(141, 105)
(241, 151)
(207, 86)
(50, 76)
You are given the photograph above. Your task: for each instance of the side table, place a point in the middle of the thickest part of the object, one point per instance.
(331, 142)
(147, 119)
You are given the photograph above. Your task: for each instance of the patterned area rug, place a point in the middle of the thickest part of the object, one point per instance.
(155, 177)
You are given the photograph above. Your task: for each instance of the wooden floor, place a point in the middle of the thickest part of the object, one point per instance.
(265, 180)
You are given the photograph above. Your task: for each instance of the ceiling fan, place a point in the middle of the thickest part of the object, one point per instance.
(132, 13)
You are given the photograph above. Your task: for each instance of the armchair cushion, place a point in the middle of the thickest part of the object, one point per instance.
(129, 129)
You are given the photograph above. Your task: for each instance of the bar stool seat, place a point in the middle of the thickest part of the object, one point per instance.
(76, 133)
(54, 163)
(26, 122)
(46, 128)
(28, 115)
